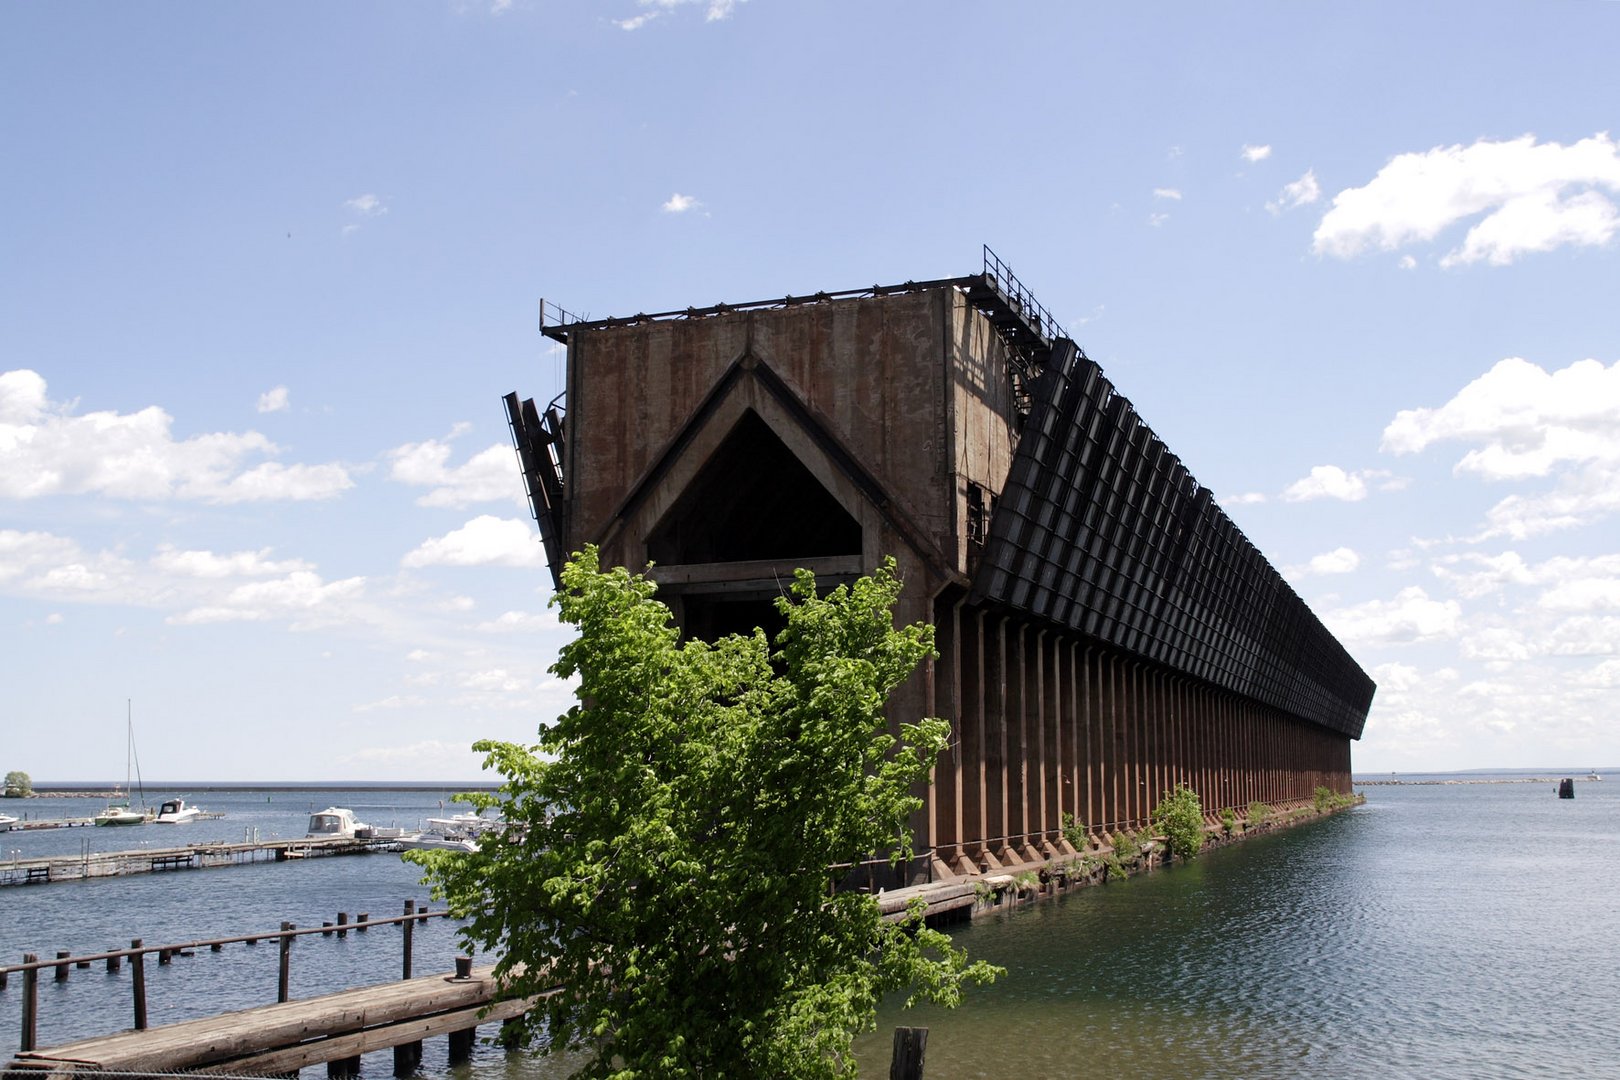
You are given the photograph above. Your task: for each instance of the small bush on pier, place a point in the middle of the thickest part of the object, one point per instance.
(1074, 831)
(1327, 799)
(1259, 814)
(1180, 816)
(1228, 821)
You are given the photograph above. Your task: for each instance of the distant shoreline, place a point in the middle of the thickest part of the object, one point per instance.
(1579, 778)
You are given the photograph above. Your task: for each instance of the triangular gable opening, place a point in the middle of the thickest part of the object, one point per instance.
(753, 499)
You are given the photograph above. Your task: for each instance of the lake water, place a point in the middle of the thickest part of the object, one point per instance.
(1453, 931)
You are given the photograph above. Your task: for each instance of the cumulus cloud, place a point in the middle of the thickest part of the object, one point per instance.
(1156, 220)
(196, 586)
(1524, 419)
(491, 475)
(1526, 422)
(1527, 197)
(528, 622)
(45, 450)
(486, 540)
(1332, 482)
(1301, 192)
(1341, 560)
(273, 400)
(1167, 193)
(1411, 616)
(298, 595)
(680, 204)
(1255, 153)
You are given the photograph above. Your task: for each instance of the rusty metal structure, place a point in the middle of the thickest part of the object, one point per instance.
(1105, 631)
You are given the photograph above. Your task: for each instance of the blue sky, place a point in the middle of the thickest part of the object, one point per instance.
(265, 271)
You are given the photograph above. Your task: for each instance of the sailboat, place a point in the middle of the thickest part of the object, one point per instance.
(118, 811)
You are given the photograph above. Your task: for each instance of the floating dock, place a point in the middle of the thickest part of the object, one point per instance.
(20, 871)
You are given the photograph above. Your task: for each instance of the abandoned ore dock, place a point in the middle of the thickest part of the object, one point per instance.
(1105, 631)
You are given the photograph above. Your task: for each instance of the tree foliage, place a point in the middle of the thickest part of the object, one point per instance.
(18, 785)
(1180, 816)
(668, 862)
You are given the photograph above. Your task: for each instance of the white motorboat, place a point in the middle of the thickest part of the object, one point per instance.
(334, 823)
(460, 832)
(176, 812)
(6, 822)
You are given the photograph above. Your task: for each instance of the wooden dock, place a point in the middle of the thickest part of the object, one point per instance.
(277, 1039)
(19, 871)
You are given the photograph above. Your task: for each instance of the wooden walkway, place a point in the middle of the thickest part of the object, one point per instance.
(275, 1039)
(182, 857)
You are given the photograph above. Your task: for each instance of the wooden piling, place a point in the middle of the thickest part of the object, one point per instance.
(461, 1044)
(282, 985)
(407, 1058)
(338, 1068)
(62, 969)
(909, 1044)
(114, 962)
(360, 921)
(30, 1004)
(343, 923)
(410, 906)
(137, 972)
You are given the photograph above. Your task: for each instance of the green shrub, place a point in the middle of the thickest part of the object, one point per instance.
(1074, 831)
(1259, 814)
(1228, 821)
(1180, 816)
(1327, 799)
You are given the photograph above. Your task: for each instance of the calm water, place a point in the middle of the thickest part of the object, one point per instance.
(1456, 931)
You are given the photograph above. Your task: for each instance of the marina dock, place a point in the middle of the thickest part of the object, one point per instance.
(39, 871)
(274, 1040)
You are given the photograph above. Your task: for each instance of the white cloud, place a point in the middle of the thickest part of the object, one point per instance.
(45, 450)
(1410, 617)
(208, 564)
(1255, 153)
(1248, 498)
(1534, 197)
(1327, 482)
(1301, 192)
(301, 595)
(393, 701)
(1166, 193)
(1157, 220)
(1527, 420)
(1579, 498)
(273, 400)
(484, 541)
(680, 204)
(367, 205)
(1340, 560)
(527, 622)
(1407, 263)
(714, 11)
(491, 475)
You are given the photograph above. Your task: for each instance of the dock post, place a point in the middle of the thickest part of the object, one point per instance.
(461, 1044)
(326, 928)
(2, 978)
(137, 974)
(909, 1044)
(341, 1067)
(30, 1004)
(360, 921)
(407, 1058)
(343, 922)
(282, 988)
(62, 969)
(114, 963)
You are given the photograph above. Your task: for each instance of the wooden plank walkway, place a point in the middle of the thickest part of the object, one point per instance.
(20, 871)
(277, 1039)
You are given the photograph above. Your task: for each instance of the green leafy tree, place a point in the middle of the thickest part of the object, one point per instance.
(670, 860)
(1180, 816)
(18, 785)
